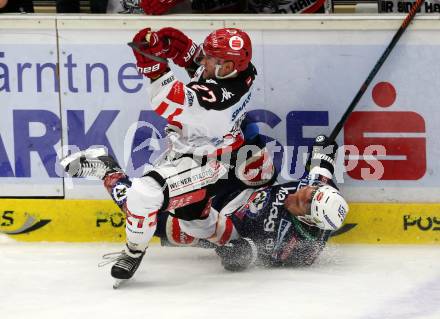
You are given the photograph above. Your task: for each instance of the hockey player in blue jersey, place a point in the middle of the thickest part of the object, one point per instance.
(287, 224)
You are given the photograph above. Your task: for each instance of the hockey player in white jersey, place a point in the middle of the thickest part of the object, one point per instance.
(280, 225)
(204, 130)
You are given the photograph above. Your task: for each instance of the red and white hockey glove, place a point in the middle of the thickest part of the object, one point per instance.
(157, 7)
(149, 43)
(181, 48)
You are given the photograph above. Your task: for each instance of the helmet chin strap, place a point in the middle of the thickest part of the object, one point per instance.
(227, 76)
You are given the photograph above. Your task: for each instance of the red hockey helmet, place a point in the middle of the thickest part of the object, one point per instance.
(229, 44)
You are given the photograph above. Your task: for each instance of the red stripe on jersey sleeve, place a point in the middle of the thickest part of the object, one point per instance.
(170, 118)
(175, 123)
(161, 108)
(177, 93)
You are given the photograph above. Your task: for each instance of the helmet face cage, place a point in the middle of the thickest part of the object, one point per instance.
(307, 218)
(229, 44)
(199, 55)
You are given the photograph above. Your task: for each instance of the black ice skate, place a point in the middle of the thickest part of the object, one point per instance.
(93, 162)
(127, 262)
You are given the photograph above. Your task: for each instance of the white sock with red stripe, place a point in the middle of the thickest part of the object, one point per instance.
(201, 228)
(176, 236)
(224, 232)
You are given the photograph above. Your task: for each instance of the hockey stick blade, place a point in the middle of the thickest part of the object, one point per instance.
(416, 6)
(135, 46)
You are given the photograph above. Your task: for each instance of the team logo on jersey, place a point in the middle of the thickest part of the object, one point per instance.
(256, 203)
(119, 193)
(226, 95)
(236, 43)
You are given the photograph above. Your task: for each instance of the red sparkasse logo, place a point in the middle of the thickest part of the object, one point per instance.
(395, 141)
(236, 43)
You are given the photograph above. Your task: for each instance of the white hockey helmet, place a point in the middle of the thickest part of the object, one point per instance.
(328, 208)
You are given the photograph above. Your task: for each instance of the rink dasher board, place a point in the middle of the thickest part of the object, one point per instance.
(52, 220)
(309, 68)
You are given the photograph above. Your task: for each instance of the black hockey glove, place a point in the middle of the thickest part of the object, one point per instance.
(238, 254)
(323, 154)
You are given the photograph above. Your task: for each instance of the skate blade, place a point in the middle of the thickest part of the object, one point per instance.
(118, 283)
(91, 152)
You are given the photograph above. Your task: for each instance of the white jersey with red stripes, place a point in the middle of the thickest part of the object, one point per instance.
(205, 114)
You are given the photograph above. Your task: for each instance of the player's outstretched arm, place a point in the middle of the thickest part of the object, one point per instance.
(322, 159)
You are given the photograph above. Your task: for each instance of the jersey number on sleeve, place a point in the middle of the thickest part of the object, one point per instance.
(205, 91)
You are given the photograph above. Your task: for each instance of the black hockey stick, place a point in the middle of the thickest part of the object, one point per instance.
(137, 47)
(415, 7)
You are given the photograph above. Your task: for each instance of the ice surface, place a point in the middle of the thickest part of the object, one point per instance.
(47, 280)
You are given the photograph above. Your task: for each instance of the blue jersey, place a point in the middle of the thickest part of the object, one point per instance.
(281, 238)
